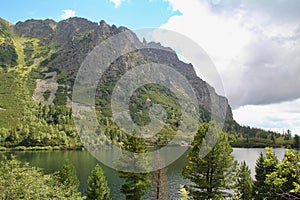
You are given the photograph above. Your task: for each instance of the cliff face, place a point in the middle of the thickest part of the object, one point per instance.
(71, 40)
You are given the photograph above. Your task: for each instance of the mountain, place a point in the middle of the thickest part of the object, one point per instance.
(74, 38)
(38, 65)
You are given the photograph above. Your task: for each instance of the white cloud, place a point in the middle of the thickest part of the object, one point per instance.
(254, 52)
(67, 14)
(117, 2)
(276, 117)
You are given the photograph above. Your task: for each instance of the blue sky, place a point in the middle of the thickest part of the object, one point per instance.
(255, 44)
(132, 14)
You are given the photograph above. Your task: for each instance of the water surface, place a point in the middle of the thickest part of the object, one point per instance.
(52, 161)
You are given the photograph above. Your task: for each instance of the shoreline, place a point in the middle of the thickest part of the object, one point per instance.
(40, 148)
(82, 148)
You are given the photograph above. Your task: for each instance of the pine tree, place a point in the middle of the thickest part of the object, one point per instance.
(264, 165)
(244, 183)
(97, 185)
(260, 177)
(67, 177)
(297, 141)
(136, 184)
(212, 176)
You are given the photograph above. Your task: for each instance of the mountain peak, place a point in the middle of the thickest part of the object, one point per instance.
(73, 39)
(35, 28)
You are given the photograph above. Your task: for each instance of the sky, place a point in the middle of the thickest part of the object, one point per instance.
(255, 45)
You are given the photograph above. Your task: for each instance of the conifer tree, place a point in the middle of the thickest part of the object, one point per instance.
(244, 183)
(297, 141)
(136, 184)
(212, 176)
(97, 185)
(264, 165)
(67, 177)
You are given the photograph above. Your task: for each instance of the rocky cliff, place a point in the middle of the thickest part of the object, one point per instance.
(71, 40)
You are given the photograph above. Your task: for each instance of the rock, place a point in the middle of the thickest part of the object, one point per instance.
(35, 28)
(75, 38)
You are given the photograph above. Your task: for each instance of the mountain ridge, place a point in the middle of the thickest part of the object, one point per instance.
(76, 37)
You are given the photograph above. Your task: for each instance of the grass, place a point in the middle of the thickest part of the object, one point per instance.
(18, 82)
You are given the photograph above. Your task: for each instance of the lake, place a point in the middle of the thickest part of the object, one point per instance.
(52, 161)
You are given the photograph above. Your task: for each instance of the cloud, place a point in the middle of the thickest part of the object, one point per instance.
(276, 117)
(67, 14)
(254, 46)
(116, 2)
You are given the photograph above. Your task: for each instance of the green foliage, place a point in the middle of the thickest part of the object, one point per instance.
(24, 122)
(8, 53)
(286, 177)
(21, 181)
(12, 99)
(244, 183)
(264, 166)
(277, 180)
(42, 125)
(136, 184)
(139, 107)
(60, 97)
(296, 141)
(28, 51)
(97, 185)
(255, 142)
(67, 175)
(212, 176)
(47, 61)
(46, 95)
(184, 194)
(8, 56)
(250, 137)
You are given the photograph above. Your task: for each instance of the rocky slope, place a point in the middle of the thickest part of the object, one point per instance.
(71, 40)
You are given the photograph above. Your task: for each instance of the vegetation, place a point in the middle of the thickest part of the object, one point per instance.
(244, 183)
(46, 95)
(277, 179)
(285, 179)
(67, 176)
(42, 125)
(296, 142)
(21, 181)
(212, 176)
(136, 184)
(8, 53)
(250, 137)
(265, 165)
(184, 193)
(97, 185)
